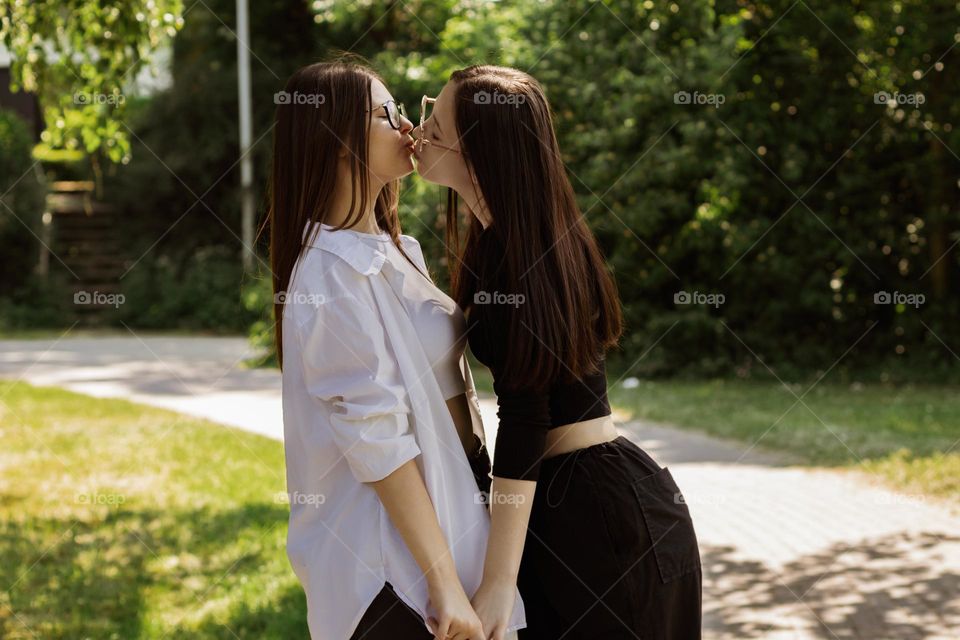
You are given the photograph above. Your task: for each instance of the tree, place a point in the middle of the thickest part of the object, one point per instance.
(78, 56)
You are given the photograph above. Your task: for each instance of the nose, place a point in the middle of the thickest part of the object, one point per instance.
(405, 125)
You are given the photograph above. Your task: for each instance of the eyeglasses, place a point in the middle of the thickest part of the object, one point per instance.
(422, 140)
(394, 112)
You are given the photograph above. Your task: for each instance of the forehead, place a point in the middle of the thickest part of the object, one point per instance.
(379, 92)
(445, 97)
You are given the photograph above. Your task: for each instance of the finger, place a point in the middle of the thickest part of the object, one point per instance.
(435, 628)
(499, 633)
(443, 629)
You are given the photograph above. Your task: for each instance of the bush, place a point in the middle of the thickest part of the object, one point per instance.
(201, 294)
(258, 300)
(38, 303)
(21, 207)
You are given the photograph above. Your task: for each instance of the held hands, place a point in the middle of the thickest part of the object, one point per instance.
(456, 619)
(493, 603)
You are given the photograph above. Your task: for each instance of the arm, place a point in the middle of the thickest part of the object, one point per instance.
(511, 502)
(404, 496)
(510, 505)
(524, 420)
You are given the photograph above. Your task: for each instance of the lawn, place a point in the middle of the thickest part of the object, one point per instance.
(124, 521)
(900, 433)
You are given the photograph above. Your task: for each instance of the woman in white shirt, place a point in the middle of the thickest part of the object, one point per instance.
(387, 532)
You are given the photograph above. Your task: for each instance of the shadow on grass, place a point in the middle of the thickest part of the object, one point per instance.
(149, 574)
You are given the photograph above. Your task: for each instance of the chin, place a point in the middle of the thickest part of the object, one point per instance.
(407, 169)
(426, 175)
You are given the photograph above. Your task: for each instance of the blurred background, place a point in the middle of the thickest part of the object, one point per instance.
(776, 187)
(795, 159)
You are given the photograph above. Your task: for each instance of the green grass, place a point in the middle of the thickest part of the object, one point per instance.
(124, 521)
(896, 433)
(899, 433)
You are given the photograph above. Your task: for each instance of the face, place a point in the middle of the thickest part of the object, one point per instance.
(390, 151)
(440, 159)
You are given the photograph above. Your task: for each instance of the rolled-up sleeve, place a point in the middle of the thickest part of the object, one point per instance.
(348, 363)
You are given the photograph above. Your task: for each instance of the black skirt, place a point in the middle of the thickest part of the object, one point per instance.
(611, 551)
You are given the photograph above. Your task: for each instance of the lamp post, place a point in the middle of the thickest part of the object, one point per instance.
(246, 132)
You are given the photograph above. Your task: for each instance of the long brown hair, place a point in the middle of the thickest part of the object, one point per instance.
(571, 310)
(308, 135)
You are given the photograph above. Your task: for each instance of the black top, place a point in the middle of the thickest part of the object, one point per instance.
(525, 414)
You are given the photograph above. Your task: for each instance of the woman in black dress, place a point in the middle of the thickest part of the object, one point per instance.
(594, 532)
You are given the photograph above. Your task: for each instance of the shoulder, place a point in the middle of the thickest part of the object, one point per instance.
(321, 278)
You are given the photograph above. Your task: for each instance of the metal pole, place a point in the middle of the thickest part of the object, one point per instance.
(246, 131)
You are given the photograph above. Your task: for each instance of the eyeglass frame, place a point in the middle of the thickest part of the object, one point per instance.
(424, 101)
(400, 113)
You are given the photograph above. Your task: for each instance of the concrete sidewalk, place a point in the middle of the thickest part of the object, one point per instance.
(788, 551)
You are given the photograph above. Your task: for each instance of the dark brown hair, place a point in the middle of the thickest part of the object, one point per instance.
(571, 311)
(307, 138)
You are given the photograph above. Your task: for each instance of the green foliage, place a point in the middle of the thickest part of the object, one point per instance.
(78, 56)
(796, 198)
(258, 300)
(202, 293)
(21, 203)
(38, 303)
(782, 185)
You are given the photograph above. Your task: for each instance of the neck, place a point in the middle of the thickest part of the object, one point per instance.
(340, 212)
(477, 206)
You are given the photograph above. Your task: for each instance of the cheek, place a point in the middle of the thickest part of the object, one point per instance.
(436, 162)
(384, 148)
(381, 140)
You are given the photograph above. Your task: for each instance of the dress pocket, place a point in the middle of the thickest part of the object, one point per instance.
(668, 522)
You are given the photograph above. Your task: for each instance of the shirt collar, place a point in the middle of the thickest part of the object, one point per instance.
(365, 252)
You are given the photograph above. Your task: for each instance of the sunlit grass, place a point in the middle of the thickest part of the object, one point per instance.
(901, 433)
(124, 521)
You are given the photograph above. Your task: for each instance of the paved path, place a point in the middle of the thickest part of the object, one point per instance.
(788, 551)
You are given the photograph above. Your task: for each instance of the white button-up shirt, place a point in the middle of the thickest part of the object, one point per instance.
(360, 399)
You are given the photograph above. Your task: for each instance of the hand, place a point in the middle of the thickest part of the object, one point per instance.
(493, 603)
(456, 619)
